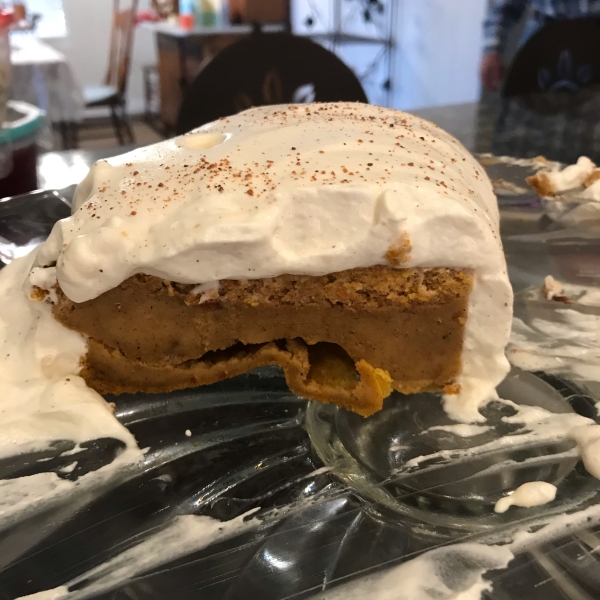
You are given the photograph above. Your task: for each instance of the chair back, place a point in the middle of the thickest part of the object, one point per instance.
(266, 69)
(561, 58)
(121, 44)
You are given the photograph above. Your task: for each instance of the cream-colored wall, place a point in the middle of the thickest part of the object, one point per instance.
(438, 47)
(436, 62)
(439, 50)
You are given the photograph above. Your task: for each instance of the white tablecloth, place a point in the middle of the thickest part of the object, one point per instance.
(42, 76)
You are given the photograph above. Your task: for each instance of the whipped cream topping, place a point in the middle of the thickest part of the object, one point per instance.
(552, 288)
(301, 189)
(583, 209)
(453, 572)
(568, 203)
(42, 399)
(538, 427)
(592, 192)
(571, 176)
(567, 344)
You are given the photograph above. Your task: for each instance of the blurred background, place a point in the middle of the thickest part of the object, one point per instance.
(514, 77)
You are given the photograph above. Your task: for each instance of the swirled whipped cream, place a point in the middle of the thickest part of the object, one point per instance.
(301, 189)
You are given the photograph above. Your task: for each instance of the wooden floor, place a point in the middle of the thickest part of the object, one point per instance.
(98, 134)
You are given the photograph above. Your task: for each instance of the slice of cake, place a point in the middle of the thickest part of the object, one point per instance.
(550, 182)
(355, 246)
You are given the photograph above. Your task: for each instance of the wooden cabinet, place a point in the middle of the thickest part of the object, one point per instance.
(259, 11)
(181, 55)
(180, 59)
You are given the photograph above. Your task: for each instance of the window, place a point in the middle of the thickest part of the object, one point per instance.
(52, 22)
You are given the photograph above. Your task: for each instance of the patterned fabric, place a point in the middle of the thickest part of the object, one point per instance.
(524, 130)
(504, 14)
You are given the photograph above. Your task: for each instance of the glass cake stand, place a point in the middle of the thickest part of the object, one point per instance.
(322, 499)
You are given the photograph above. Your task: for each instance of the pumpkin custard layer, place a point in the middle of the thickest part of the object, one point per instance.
(348, 337)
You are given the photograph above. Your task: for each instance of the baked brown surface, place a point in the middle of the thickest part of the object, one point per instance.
(347, 337)
(542, 184)
(545, 187)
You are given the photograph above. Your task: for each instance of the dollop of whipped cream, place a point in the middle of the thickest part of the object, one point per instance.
(532, 493)
(571, 176)
(301, 189)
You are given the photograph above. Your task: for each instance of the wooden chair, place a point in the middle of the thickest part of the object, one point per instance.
(266, 69)
(111, 93)
(151, 81)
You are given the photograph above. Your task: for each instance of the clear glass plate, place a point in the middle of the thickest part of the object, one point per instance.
(333, 500)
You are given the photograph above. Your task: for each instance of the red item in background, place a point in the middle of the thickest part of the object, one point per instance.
(7, 17)
(186, 22)
(147, 15)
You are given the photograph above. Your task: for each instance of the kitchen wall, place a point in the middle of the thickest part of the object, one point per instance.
(438, 47)
(436, 59)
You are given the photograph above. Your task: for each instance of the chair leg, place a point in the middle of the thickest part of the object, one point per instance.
(116, 124)
(64, 135)
(147, 95)
(75, 134)
(126, 122)
(71, 133)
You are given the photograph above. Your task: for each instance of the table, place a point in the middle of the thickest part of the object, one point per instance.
(43, 77)
(559, 126)
(325, 525)
(58, 170)
(182, 53)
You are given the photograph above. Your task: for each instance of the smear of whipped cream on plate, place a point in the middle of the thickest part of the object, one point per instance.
(42, 397)
(532, 493)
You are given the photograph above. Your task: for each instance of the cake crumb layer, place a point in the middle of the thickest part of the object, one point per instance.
(348, 337)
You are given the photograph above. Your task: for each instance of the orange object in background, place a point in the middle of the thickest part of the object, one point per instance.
(187, 21)
(258, 11)
(20, 11)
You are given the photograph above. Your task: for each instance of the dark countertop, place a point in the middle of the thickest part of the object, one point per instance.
(559, 126)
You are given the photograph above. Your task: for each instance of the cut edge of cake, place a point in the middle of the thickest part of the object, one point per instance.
(347, 338)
